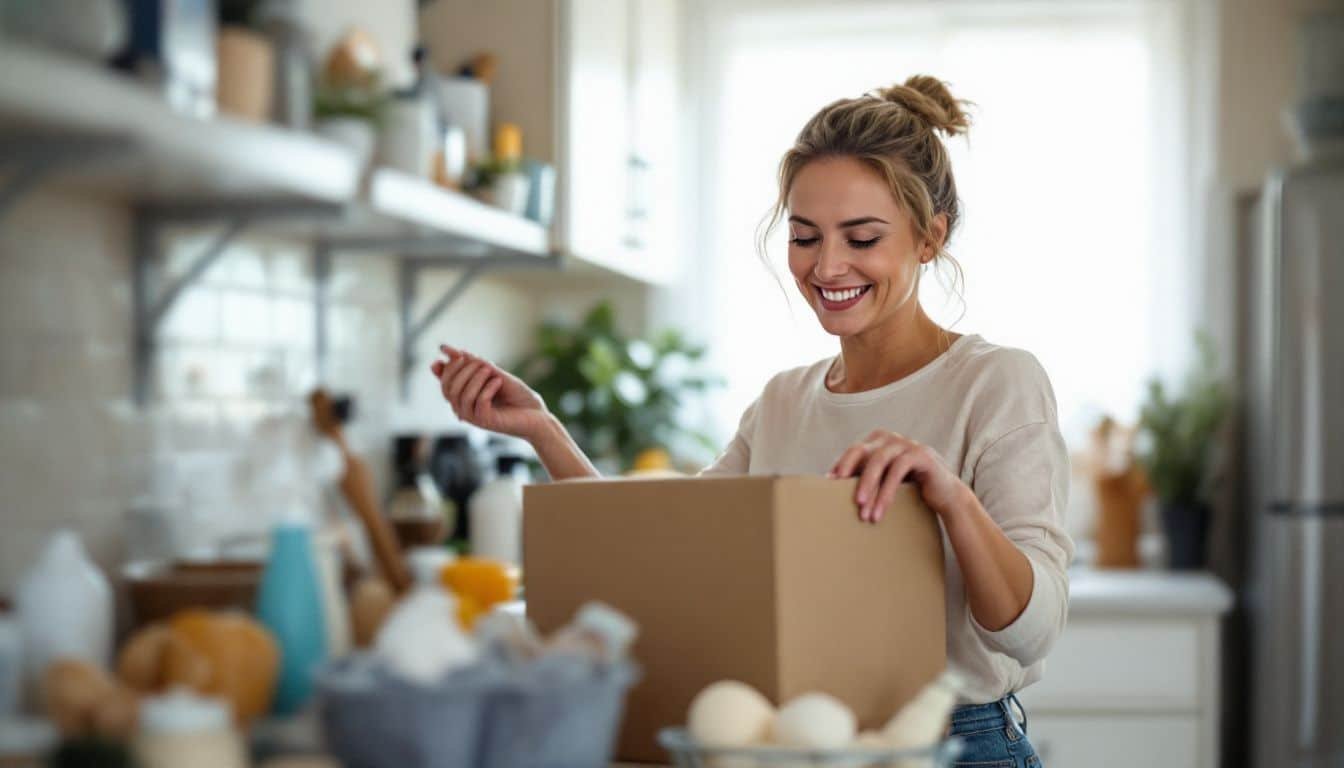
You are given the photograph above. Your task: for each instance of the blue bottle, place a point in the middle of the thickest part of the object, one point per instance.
(289, 603)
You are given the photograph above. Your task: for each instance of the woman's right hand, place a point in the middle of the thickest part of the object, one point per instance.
(488, 397)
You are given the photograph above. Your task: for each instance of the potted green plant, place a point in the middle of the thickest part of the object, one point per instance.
(620, 397)
(1179, 452)
(350, 113)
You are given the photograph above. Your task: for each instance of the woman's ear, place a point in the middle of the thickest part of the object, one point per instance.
(933, 244)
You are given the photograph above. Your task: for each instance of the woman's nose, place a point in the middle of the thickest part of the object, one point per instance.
(831, 261)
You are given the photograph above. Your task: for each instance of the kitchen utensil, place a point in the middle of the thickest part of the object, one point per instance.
(246, 63)
(160, 589)
(289, 603)
(65, 606)
(357, 487)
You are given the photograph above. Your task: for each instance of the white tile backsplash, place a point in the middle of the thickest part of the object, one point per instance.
(236, 347)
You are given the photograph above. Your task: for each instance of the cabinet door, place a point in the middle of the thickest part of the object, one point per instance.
(1140, 664)
(655, 112)
(1114, 741)
(596, 47)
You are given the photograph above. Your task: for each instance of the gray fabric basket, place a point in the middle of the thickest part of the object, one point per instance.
(487, 715)
(541, 720)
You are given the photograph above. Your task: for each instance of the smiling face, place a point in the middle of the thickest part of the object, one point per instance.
(853, 252)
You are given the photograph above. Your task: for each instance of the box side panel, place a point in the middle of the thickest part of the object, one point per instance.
(861, 607)
(689, 560)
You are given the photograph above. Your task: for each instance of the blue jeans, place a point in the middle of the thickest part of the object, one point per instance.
(991, 736)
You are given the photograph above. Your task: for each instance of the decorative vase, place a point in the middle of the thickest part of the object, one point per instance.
(1187, 528)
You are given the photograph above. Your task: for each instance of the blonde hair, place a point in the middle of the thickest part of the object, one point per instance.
(894, 130)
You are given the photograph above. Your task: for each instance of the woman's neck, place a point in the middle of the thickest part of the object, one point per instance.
(888, 353)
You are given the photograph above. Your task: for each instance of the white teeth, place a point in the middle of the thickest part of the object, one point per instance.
(844, 295)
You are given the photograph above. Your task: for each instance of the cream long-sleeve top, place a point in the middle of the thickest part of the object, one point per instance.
(989, 411)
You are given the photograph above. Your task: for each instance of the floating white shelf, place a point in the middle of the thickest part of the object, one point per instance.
(100, 130)
(164, 154)
(398, 208)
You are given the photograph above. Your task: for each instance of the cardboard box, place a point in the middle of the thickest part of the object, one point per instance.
(771, 580)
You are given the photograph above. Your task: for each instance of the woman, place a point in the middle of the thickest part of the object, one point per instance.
(870, 203)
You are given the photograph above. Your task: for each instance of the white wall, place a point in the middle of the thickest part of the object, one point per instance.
(1249, 80)
(75, 451)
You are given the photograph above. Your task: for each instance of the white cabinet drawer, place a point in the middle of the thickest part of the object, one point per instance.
(1118, 741)
(1140, 664)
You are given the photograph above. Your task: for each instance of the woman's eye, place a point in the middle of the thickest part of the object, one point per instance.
(864, 243)
(804, 241)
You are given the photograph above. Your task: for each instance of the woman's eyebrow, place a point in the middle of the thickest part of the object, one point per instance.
(843, 225)
(861, 221)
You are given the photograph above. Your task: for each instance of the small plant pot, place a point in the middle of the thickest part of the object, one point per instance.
(353, 132)
(1187, 529)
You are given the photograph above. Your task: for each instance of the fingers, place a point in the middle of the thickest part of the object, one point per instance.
(851, 460)
(873, 471)
(436, 368)
(486, 401)
(891, 483)
(457, 380)
(472, 390)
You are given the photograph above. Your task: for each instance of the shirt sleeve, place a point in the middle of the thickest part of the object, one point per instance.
(1022, 480)
(736, 458)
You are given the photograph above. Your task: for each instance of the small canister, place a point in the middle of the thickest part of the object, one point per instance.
(182, 728)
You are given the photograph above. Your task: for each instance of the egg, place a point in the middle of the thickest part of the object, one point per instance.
(815, 721)
(729, 714)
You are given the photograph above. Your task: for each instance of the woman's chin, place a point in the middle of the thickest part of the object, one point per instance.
(839, 326)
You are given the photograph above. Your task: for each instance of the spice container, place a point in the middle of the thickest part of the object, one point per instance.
(184, 729)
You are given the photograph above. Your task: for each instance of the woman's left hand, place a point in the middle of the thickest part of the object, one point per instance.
(883, 460)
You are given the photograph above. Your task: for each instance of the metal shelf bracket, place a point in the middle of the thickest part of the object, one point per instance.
(411, 267)
(153, 294)
(419, 255)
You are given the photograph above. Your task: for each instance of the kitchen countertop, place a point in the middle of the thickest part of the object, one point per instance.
(1140, 592)
(1146, 593)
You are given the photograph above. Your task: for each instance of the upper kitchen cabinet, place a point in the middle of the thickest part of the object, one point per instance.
(593, 86)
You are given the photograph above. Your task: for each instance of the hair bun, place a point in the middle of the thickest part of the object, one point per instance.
(929, 98)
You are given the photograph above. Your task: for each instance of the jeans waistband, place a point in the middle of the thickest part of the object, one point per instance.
(1005, 710)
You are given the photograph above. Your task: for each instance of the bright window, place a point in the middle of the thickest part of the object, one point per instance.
(1072, 240)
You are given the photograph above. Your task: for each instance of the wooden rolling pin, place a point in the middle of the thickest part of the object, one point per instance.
(357, 487)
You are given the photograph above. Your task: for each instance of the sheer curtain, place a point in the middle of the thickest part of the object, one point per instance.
(1075, 241)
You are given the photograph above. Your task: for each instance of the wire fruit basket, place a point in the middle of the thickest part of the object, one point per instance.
(686, 753)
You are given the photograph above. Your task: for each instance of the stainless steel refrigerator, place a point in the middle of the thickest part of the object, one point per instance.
(1294, 593)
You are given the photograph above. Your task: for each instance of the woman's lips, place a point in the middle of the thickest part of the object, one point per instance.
(853, 295)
